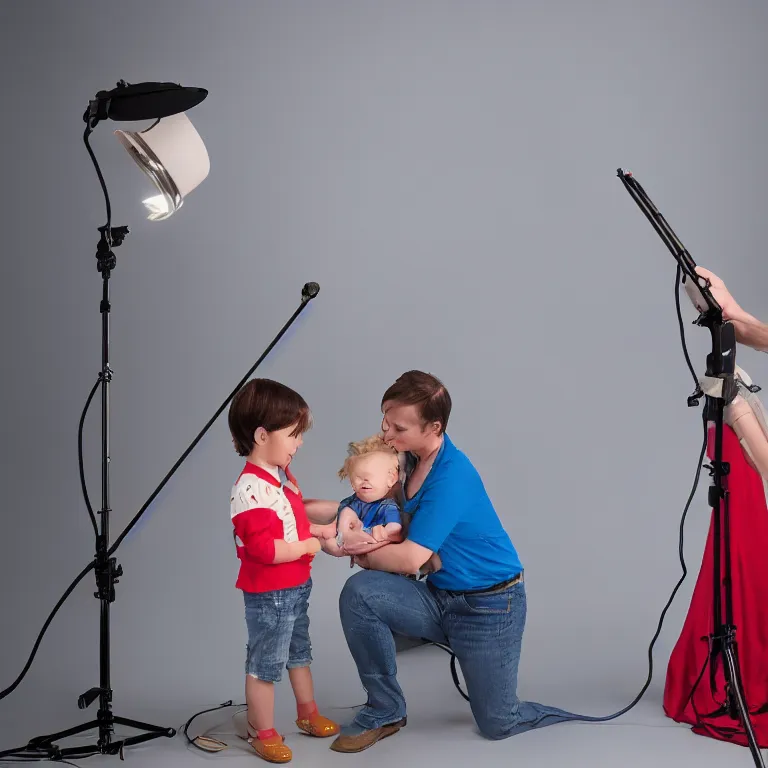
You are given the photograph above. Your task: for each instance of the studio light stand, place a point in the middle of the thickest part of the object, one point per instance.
(143, 101)
(721, 366)
(106, 569)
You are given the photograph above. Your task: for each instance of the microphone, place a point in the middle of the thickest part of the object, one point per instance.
(309, 291)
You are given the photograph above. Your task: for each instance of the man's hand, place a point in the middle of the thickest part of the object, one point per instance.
(748, 330)
(731, 310)
(358, 542)
(433, 565)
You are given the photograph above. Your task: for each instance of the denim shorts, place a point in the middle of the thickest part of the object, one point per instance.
(278, 631)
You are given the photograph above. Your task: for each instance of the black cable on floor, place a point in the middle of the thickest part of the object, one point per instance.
(697, 476)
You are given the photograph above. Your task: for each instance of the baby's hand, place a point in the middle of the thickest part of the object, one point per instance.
(379, 533)
(353, 524)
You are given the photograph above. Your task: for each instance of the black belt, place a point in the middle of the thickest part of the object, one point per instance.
(486, 590)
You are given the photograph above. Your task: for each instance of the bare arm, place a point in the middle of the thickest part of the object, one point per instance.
(321, 511)
(326, 531)
(406, 557)
(740, 416)
(751, 332)
(287, 552)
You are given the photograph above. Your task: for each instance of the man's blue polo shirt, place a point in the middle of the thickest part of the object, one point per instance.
(452, 515)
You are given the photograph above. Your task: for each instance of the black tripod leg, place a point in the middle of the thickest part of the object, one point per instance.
(115, 747)
(155, 730)
(729, 652)
(169, 732)
(47, 741)
(725, 631)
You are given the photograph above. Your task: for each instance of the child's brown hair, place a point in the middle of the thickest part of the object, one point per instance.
(268, 404)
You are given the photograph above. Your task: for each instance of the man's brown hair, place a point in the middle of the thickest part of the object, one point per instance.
(268, 404)
(426, 392)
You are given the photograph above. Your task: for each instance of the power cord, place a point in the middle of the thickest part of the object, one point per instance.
(454, 672)
(206, 743)
(82, 573)
(80, 459)
(24, 760)
(86, 497)
(447, 649)
(209, 744)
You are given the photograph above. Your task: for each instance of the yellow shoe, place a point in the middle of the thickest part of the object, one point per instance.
(318, 726)
(273, 749)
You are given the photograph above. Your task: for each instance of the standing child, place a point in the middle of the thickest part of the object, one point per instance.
(275, 547)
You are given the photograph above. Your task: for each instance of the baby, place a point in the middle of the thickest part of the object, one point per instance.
(370, 518)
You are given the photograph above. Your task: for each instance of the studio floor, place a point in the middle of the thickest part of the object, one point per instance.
(440, 729)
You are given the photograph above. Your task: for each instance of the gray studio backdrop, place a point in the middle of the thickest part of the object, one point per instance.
(447, 172)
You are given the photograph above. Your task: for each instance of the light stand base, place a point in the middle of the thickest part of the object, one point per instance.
(44, 745)
(723, 638)
(735, 705)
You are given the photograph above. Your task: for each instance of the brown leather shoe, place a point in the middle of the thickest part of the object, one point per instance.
(361, 741)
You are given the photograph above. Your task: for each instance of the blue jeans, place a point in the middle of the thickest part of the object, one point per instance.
(484, 631)
(278, 631)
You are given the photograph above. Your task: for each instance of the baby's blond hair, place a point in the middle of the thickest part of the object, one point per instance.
(365, 447)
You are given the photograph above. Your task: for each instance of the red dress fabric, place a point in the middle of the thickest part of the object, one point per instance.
(749, 570)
